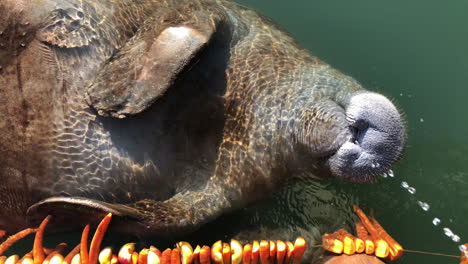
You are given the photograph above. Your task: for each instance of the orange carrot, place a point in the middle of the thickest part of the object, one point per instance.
(299, 249)
(289, 252)
(156, 250)
(84, 257)
(205, 255)
(272, 251)
(143, 256)
(196, 255)
(95, 246)
(280, 251)
(26, 256)
(330, 242)
(255, 252)
(71, 254)
(396, 250)
(217, 252)
(265, 252)
(2, 233)
(13, 238)
(38, 249)
(247, 254)
(226, 253)
(175, 256)
(166, 256)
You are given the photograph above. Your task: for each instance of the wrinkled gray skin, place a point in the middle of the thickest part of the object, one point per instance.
(170, 113)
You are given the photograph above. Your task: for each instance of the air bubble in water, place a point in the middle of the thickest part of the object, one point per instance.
(391, 174)
(436, 221)
(462, 248)
(404, 185)
(448, 232)
(424, 206)
(455, 238)
(411, 190)
(385, 175)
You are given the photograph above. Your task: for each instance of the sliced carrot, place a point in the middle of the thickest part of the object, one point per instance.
(272, 251)
(95, 246)
(2, 233)
(205, 255)
(217, 252)
(255, 252)
(331, 243)
(226, 253)
(265, 252)
(143, 256)
(247, 254)
(281, 251)
(166, 256)
(38, 248)
(175, 256)
(299, 249)
(156, 250)
(289, 252)
(396, 250)
(196, 255)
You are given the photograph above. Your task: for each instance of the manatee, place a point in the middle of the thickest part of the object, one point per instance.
(170, 113)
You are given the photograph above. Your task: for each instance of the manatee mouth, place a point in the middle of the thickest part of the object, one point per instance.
(375, 139)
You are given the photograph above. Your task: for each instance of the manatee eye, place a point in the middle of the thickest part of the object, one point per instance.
(357, 128)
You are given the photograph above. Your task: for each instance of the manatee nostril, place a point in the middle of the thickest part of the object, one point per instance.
(358, 129)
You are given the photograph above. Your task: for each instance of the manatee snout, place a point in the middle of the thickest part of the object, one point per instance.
(376, 140)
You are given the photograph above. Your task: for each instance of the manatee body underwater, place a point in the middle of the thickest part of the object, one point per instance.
(170, 114)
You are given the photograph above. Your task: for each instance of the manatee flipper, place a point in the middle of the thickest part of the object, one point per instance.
(181, 214)
(145, 68)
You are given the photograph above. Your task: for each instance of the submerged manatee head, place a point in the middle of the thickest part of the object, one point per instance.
(376, 141)
(169, 113)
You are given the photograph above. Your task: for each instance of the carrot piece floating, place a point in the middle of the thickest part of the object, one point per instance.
(38, 249)
(236, 252)
(175, 256)
(255, 252)
(2, 233)
(105, 256)
(378, 232)
(12, 259)
(26, 256)
(97, 239)
(153, 258)
(381, 248)
(196, 255)
(186, 252)
(280, 252)
(166, 256)
(76, 259)
(331, 243)
(84, 257)
(13, 238)
(247, 254)
(71, 254)
(156, 251)
(205, 255)
(272, 251)
(115, 259)
(226, 253)
(369, 247)
(349, 247)
(360, 245)
(265, 252)
(299, 249)
(289, 253)
(2, 259)
(396, 250)
(143, 256)
(217, 252)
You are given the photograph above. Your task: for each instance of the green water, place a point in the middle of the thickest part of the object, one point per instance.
(415, 52)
